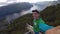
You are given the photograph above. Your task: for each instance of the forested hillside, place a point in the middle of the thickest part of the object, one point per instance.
(51, 15)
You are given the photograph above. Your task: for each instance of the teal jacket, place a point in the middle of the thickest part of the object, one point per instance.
(36, 24)
(39, 25)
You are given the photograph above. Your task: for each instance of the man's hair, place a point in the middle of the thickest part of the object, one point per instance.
(35, 11)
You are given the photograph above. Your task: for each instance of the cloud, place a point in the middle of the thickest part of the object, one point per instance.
(43, 5)
(1, 1)
(6, 2)
(34, 1)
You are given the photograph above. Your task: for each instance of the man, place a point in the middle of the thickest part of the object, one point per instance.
(37, 20)
(39, 24)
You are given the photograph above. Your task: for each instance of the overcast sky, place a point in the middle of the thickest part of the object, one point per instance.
(5, 2)
(30, 1)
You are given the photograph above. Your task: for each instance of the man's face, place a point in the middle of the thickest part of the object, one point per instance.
(35, 15)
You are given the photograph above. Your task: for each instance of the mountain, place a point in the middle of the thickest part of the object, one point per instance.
(10, 12)
(42, 5)
(58, 1)
(51, 15)
(14, 8)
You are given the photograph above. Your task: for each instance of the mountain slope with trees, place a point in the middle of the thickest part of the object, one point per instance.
(51, 15)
